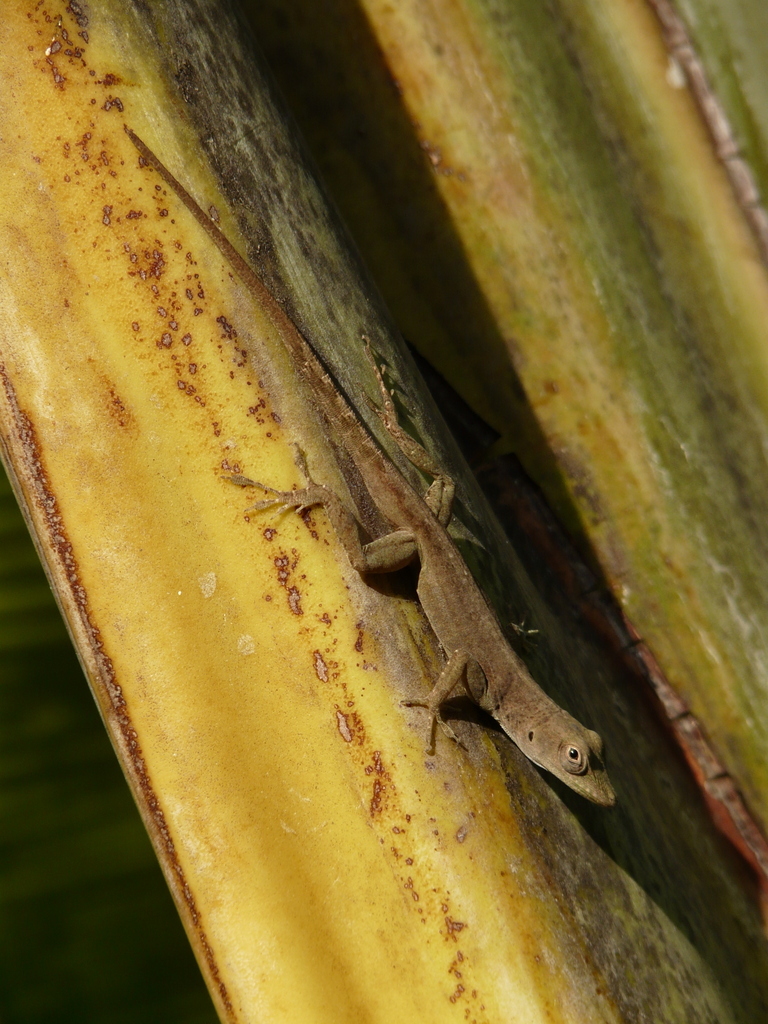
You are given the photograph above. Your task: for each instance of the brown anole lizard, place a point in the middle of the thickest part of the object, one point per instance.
(479, 657)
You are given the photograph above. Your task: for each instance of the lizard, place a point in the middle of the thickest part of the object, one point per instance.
(478, 655)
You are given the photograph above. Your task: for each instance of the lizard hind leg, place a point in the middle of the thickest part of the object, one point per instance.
(301, 499)
(385, 554)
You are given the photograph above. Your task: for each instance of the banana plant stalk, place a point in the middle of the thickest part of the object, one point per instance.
(325, 867)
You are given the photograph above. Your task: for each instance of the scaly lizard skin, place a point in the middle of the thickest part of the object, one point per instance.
(479, 656)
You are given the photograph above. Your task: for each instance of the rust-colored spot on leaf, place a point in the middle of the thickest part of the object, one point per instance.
(343, 726)
(321, 669)
(378, 790)
(227, 330)
(453, 928)
(457, 994)
(118, 410)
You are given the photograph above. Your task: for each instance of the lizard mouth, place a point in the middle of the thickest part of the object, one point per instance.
(599, 790)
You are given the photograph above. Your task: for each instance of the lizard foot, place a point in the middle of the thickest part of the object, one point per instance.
(437, 719)
(299, 500)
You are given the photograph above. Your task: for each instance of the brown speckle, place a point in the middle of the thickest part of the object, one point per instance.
(321, 669)
(282, 564)
(227, 330)
(378, 791)
(294, 601)
(453, 928)
(343, 725)
(457, 994)
(117, 409)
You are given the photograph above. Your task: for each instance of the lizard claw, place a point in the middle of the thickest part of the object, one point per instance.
(245, 481)
(285, 500)
(299, 500)
(259, 506)
(437, 719)
(279, 496)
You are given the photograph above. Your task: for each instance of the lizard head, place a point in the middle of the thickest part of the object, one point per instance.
(574, 754)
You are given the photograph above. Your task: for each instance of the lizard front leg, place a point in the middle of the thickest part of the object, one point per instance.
(439, 495)
(455, 672)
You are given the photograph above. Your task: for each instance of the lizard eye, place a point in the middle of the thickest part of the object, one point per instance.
(572, 759)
